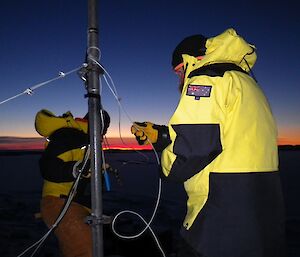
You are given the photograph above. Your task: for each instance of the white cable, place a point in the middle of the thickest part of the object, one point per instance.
(145, 222)
(114, 92)
(30, 90)
(63, 211)
(121, 106)
(33, 245)
(118, 99)
(61, 215)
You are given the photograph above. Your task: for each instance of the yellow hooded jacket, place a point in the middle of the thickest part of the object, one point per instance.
(222, 124)
(67, 138)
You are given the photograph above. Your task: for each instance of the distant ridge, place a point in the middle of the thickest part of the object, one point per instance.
(19, 152)
(289, 147)
(21, 143)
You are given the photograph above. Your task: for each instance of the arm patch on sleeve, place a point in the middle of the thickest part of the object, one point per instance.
(198, 91)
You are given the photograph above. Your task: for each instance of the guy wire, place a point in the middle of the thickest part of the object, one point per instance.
(30, 90)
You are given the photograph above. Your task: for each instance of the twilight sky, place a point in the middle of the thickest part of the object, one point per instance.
(38, 39)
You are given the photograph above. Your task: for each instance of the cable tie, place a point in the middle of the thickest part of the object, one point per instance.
(61, 74)
(93, 47)
(92, 95)
(29, 91)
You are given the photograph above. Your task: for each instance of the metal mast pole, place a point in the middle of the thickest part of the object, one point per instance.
(94, 103)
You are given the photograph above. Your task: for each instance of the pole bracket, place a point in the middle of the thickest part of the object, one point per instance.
(93, 220)
(92, 67)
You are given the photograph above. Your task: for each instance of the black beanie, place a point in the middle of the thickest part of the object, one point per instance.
(192, 45)
(106, 120)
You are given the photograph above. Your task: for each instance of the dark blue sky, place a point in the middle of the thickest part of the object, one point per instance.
(41, 38)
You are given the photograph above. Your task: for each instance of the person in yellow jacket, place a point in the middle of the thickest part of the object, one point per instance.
(221, 142)
(67, 141)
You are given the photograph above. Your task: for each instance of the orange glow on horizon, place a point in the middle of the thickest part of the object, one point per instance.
(17, 143)
(128, 143)
(289, 136)
(288, 141)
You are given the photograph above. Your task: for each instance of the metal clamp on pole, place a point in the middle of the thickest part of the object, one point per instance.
(93, 220)
(83, 72)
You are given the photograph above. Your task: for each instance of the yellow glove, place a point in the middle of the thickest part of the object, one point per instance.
(145, 132)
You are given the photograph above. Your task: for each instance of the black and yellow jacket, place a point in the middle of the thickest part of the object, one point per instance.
(67, 139)
(224, 149)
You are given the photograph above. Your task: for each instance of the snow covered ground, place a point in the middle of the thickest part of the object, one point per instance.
(20, 189)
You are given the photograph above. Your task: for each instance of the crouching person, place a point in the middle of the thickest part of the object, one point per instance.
(67, 141)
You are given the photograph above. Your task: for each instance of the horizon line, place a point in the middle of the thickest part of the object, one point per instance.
(113, 143)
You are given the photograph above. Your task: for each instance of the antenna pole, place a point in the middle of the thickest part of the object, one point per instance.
(94, 103)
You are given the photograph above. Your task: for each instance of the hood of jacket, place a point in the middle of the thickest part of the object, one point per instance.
(228, 47)
(46, 122)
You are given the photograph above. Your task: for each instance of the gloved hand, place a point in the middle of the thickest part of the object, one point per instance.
(86, 173)
(146, 132)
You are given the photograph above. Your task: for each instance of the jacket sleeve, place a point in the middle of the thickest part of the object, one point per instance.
(195, 131)
(195, 146)
(163, 139)
(62, 152)
(56, 170)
